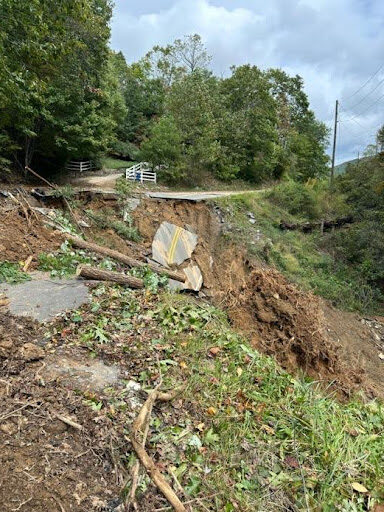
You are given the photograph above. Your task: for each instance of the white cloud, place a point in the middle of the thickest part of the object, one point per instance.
(334, 45)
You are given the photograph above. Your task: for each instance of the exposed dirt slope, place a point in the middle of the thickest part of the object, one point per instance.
(20, 238)
(297, 328)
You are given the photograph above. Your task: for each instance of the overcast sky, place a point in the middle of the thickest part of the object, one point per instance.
(335, 45)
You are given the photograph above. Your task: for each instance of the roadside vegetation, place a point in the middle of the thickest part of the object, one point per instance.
(245, 435)
(343, 265)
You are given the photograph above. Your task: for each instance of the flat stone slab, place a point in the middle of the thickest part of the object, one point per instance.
(172, 244)
(84, 375)
(43, 299)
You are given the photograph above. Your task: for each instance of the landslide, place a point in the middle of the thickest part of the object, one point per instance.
(300, 330)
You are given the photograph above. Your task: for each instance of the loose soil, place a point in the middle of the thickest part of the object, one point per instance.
(46, 464)
(20, 238)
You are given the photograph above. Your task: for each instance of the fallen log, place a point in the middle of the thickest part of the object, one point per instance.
(323, 225)
(97, 274)
(131, 262)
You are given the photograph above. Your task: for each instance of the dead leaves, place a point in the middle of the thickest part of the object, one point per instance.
(356, 486)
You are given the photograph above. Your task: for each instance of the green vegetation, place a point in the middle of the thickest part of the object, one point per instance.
(310, 259)
(268, 438)
(115, 163)
(61, 100)
(64, 262)
(12, 273)
(248, 436)
(59, 97)
(106, 219)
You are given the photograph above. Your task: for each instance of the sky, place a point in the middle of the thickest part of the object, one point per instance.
(337, 46)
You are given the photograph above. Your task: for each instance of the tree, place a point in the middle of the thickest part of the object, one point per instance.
(191, 53)
(248, 128)
(57, 98)
(302, 138)
(191, 102)
(170, 63)
(163, 149)
(380, 139)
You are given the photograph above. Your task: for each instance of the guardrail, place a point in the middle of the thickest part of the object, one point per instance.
(141, 172)
(79, 166)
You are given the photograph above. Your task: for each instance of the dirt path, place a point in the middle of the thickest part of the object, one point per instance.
(107, 184)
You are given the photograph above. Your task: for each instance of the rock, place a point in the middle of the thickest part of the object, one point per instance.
(31, 352)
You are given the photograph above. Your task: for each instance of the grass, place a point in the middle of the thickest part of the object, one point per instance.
(271, 441)
(299, 256)
(115, 163)
(106, 219)
(246, 435)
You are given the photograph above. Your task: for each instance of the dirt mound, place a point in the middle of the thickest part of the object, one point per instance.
(289, 324)
(20, 238)
(45, 463)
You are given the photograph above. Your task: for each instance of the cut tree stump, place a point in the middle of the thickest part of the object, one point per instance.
(130, 262)
(98, 274)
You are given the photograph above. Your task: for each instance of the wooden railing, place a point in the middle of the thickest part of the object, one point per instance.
(79, 166)
(141, 172)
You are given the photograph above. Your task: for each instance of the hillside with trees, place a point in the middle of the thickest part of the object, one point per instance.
(64, 94)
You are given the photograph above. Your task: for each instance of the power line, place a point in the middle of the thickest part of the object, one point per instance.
(371, 105)
(366, 83)
(366, 96)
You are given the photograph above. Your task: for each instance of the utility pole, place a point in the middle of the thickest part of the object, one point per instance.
(334, 141)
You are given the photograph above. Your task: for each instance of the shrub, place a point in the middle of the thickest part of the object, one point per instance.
(297, 199)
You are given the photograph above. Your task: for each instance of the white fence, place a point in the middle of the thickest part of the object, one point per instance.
(79, 165)
(141, 172)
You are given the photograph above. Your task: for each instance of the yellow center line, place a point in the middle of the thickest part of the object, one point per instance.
(173, 245)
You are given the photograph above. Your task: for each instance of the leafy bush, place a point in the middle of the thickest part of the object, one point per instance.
(125, 150)
(64, 262)
(104, 219)
(11, 273)
(296, 198)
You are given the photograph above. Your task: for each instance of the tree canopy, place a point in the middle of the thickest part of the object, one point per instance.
(64, 94)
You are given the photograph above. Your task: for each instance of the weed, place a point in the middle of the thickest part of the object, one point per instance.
(152, 281)
(11, 273)
(105, 219)
(265, 439)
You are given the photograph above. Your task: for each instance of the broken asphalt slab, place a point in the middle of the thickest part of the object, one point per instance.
(43, 299)
(172, 244)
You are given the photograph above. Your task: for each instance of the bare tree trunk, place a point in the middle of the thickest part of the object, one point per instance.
(98, 274)
(130, 262)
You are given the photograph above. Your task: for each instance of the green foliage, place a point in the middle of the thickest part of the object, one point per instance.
(296, 198)
(11, 273)
(163, 148)
(106, 219)
(152, 281)
(58, 95)
(64, 262)
(254, 433)
(362, 186)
